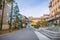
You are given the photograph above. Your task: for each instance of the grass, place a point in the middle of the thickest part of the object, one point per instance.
(57, 26)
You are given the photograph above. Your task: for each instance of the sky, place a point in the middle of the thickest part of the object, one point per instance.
(35, 8)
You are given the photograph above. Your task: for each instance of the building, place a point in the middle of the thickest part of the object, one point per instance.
(54, 7)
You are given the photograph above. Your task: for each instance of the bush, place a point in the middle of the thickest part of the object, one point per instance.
(35, 26)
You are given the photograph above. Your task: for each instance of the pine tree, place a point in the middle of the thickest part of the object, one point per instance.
(16, 15)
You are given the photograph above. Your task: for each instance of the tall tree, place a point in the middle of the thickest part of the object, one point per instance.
(10, 2)
(0, 4)
(16, 14)
(11, 14)
(3, 5)
(16, 10)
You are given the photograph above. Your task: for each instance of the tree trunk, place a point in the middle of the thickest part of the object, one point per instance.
(3, 6)
(11, 15)
(59, 21)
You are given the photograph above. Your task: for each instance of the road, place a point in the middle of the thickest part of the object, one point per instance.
(24, 34)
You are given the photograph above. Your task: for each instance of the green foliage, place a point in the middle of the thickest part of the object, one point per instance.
(16, 10)
(57, 26)
(9, 1)
(9, 23)
(0, 6)
(18, 16)
(35, 26)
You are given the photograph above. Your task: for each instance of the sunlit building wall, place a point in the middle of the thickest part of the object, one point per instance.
(54, 7)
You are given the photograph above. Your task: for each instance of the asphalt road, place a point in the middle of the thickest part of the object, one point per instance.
(24, 34)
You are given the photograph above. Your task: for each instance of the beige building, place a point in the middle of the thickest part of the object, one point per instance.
(54, 7)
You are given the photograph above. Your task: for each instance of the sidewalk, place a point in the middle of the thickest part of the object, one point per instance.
(7, 31)
(41, 36)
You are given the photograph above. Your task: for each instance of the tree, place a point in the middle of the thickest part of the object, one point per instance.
(3, 6)
(38, 23)
(16, 14)
(44, 23)
(0, 4)
(10, 2)
(16, 11)
(0, 22)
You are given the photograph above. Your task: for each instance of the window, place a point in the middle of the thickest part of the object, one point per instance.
(59, 5)
(56, 8)
(58, 0)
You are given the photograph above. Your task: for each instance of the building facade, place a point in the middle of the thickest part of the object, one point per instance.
(54, 7)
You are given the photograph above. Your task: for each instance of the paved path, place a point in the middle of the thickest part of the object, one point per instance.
(24, 34)
(41, 36)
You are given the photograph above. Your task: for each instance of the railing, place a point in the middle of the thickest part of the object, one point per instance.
(50, 33)
(51, 18)
(58, 16)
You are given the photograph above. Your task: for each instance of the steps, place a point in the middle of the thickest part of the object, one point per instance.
(51, 34)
